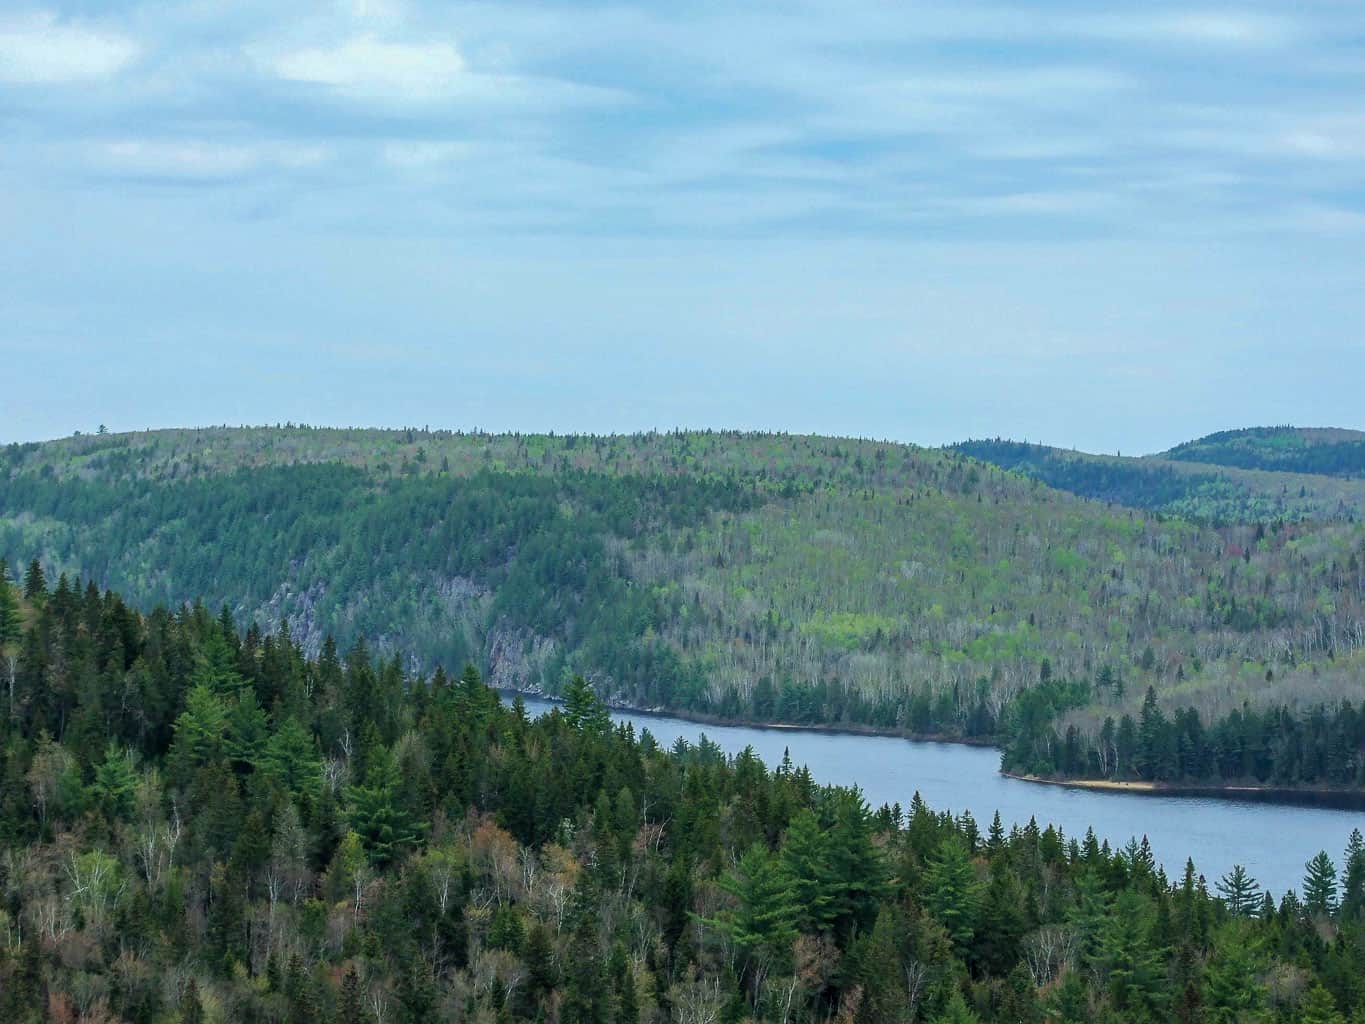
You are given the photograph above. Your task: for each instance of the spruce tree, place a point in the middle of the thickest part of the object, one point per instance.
(35, 583)
(583, 708)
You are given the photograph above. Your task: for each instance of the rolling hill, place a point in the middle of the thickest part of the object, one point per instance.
(748, 576)
(1261, 474)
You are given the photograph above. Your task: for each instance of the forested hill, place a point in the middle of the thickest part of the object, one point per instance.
(1256, 475)
(199, 825)
(755, 576)
(1293, 449)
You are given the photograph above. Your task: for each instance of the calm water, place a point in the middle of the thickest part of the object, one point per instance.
(1272, 841)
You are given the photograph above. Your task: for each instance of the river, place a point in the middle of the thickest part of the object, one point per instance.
(1272, 841)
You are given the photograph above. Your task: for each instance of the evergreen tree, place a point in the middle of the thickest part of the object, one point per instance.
(1320, 885)
(956, 1011)
(583, 708)
(951, 890)
(35, 583)
(761, 924)
(1318, 1007)
(1353, 883)
(9, 613)
(115, 782)
(191, 1010)
(1233, 986)
(378, 818)
(1239, 892)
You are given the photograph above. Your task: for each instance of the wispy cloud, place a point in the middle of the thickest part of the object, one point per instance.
(372, 67)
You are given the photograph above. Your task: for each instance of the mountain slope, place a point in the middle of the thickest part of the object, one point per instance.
(757, 576)
(1324, 451)
(1248, 486)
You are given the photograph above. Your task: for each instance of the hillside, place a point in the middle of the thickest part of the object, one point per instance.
(753, 576)
(1217, 482)
(1324, 451)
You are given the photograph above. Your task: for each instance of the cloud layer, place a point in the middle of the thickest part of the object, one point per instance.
(636, 149)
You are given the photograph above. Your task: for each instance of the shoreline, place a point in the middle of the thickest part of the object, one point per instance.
(702, 718)
(1335, 799)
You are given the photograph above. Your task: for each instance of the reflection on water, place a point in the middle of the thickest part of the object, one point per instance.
(1272, 841)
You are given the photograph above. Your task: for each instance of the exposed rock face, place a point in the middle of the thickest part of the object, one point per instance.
(297, 610)
(516, 659)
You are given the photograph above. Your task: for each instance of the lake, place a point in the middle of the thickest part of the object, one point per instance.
(1273, 841)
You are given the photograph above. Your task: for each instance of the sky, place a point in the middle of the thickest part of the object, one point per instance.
(1104, 227)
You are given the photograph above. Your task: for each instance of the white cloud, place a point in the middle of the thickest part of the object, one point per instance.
(367, 66)
(38, 49)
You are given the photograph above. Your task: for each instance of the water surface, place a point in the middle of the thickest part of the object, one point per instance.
(1273, 841)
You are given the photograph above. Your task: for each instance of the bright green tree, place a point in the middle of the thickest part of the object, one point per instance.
(761, 922)
(583, 708)
(952, 892)
(383, 824)
(115, 783)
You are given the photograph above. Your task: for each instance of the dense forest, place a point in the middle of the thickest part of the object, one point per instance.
(200, 824)
(1322, 748)
(1218, 489)
(741, 576)
(1327, 452)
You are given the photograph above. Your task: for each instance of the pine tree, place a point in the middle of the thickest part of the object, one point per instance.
(1232, 978)
(764, 913)
(1239, 892)
(1320, 885)
(417, 992)
(805, 857)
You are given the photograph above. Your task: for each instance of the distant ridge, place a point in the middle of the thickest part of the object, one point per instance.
(1327, 451)
(1255, 474)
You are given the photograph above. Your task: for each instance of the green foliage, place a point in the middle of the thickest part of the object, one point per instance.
(383, 824)
(197, 858)
(744, 576)
(1320, 885)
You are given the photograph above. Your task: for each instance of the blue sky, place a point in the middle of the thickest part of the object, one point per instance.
(1108, 227)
